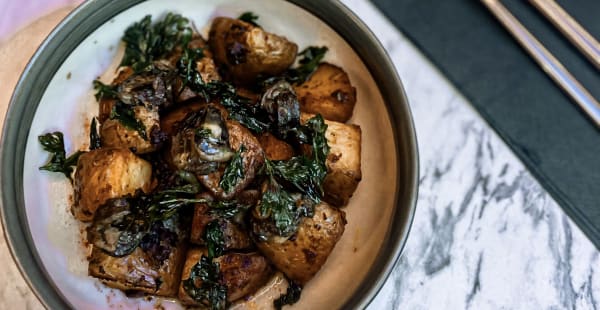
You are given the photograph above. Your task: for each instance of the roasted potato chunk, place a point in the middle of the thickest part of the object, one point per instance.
(234, 236)
(328, 92)
(274, 148)
(242, 274)
(107, 173)
(153, 267)
(253, 159)
(247, 51)
(343, 162)
(301, 256)
(114, 134)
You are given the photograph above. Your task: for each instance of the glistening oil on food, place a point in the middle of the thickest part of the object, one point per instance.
(214, 164)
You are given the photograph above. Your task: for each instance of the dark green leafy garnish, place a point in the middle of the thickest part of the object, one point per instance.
(203, 285)
(234, 172)
(59, 162)
(250, 18)
(105, 91)
(126, 116)
(239, 108)
(227, 208)
(95, 142)
(213, 236)
(145, 43)
(122, 223)
(311, 57)
(285, 209)
(291, 296)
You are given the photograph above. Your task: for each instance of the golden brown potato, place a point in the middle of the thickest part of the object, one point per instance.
(168, 122)
(343, 162)
(107, 173)
(242, 274)
(274, 148)
(248, 51)
(253, 159)
(234, 236)
(301, 256)
(114, 134)
(140, 271)
(328, 92)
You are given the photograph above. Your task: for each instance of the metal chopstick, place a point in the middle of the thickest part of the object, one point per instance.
(570, 29)
(546, 60)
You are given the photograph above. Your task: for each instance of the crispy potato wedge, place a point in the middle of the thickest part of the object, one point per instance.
(274, 148)
(328, 92)
(107, 173)
(301, 256)
(242, 274)
(343, 162)
(114, 134)
(247, 51)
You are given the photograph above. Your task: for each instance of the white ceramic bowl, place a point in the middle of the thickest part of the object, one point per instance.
(55, 93)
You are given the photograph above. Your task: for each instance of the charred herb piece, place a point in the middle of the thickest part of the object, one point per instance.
(94, 136)
(126, 116)
(213, 237)
(285, 209)
(54, 144)
(227, 208)
(105, 91)
(311, 57)
(203, 285)
(145, 42)
(250, 18)
(122, 223)
(234, 172)
(239, 108)
(291, 296)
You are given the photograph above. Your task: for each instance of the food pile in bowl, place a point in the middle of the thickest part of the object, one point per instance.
(215, 164)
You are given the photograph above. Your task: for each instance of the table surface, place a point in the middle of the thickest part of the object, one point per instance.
(485, 234)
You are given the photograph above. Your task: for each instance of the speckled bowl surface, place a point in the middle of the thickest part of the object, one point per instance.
(55, 93)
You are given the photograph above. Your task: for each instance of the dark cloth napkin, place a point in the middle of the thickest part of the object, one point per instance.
(548, 132)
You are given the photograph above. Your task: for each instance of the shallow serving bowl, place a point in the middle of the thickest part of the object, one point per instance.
(55, 93)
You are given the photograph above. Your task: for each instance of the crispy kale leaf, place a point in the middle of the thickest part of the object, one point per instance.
(311, 57)
(234, 172)
(203, 284)
(95, 142)
(59, 162)
(250, 18)
(105, 91)
(145, 43)
(213, 236)
(126, 116)
(291, 296)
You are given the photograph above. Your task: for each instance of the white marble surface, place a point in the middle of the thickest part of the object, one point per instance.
(485, 234)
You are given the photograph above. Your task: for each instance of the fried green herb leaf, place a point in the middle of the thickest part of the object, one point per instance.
(234, 172)
(307, 174)
(239, 108)
(59, 162)
(126, 116)
(145, 43)
(284, 208)
(203, 285)
(311, 57)
(213, 236)
(250, 18)
(95, 142)
(105, 91)
(291, 296)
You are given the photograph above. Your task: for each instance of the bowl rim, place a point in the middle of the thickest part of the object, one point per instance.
(81, 22)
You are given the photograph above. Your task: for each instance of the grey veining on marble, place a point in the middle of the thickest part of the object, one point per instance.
(485, 234)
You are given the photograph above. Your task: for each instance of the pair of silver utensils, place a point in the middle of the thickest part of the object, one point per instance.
(571, 29)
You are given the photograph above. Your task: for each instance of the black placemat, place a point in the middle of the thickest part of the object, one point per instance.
(537, 120)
